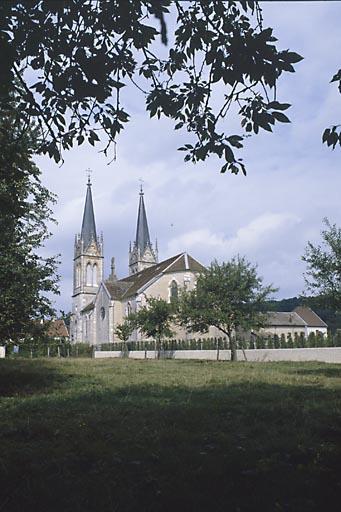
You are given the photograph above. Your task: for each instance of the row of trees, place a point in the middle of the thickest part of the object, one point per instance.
(47, 348)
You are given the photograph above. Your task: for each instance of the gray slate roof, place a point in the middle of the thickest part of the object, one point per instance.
(142, 232)
(310, 317)
(88, 232)
(129, 286)
(284, 319)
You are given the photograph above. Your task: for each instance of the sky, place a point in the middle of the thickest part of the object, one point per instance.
(293, 181)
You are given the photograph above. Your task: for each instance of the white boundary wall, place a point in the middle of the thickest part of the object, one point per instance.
(327, 355)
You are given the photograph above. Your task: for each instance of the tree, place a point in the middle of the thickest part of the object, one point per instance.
(228, 296)
(124, 330)
(155, 320)
(323, 275)
(332, 136)
(25, 276)
(73, 60)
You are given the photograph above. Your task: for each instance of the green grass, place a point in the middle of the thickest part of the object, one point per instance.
(119, 435)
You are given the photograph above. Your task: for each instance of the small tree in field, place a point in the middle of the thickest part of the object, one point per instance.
(155, 319)
(228, 296)
(124, 330)
(323, 274)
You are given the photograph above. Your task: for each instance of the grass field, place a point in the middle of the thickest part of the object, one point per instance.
(119, 435)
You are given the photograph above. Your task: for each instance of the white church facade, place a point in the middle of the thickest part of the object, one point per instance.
(99, 304)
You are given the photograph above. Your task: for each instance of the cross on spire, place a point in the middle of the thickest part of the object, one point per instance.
(88, 172)
(141, 185)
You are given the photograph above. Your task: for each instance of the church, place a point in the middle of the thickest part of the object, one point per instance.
(99, 304)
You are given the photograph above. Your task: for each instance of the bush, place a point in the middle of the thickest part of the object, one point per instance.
(296, 340)
(290, 342)
(283, 341)
(270, 342)
(311, 340)
(277, 343)
(337, 339)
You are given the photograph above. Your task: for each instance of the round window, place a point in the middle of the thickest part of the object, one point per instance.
(102, 313)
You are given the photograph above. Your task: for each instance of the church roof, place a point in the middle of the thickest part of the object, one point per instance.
(284, 319)
(310, 317)
(116, 289)
(88, 232)
(179, 263)
(142, 232)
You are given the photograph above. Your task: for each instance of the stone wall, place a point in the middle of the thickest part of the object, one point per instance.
(327, 355)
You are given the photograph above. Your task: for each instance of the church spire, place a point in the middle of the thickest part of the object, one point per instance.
(88, 232)
(142, 254)
(142, 240)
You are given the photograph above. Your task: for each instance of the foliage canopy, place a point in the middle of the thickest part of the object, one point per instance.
(155, 319)
(25, 276)
(73, 60)
(323, 275)
(228, 296)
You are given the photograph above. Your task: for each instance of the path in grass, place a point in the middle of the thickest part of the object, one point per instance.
(118, 435)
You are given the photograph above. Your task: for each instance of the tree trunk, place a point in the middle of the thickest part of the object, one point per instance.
(233, 345)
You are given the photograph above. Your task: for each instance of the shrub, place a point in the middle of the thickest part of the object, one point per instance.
(270, 342)
(283, 341)
(302, 340)
(311, 340)
(277, 343)
(290, 342)
(296, 340)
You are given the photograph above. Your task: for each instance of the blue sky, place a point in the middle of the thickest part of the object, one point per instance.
(293, 180)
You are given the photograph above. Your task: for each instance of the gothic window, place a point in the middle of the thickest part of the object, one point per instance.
(174, 292)
(102, 311)
(94, 275)
(128, 309)
(89, 274)
(78, 275)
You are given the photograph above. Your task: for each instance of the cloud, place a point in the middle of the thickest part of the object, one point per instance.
(258, 233)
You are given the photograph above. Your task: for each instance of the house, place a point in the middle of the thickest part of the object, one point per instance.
(314, 323)
(57, 330)
(300, 320)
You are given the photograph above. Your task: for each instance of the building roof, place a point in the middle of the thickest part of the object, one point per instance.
(142, 239)
(284, 319)
(310, 317)
(88, 232)
(116, 288)
(180, 263)
(57, 329)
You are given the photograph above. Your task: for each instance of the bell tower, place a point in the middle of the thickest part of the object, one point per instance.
(142, 255)
(87, 267)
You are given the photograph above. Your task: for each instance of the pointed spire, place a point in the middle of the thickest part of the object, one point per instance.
(88, 225)
(142, 231)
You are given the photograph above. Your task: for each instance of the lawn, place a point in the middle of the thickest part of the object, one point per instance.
(123, 435)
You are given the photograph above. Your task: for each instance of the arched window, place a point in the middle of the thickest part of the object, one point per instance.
(89, 274)
(78, 275)
(174, 292)
(128, 309)
(94, 275)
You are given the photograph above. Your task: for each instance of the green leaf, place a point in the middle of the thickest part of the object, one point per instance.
(281, 117)
(278, 106)
(294, 57)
